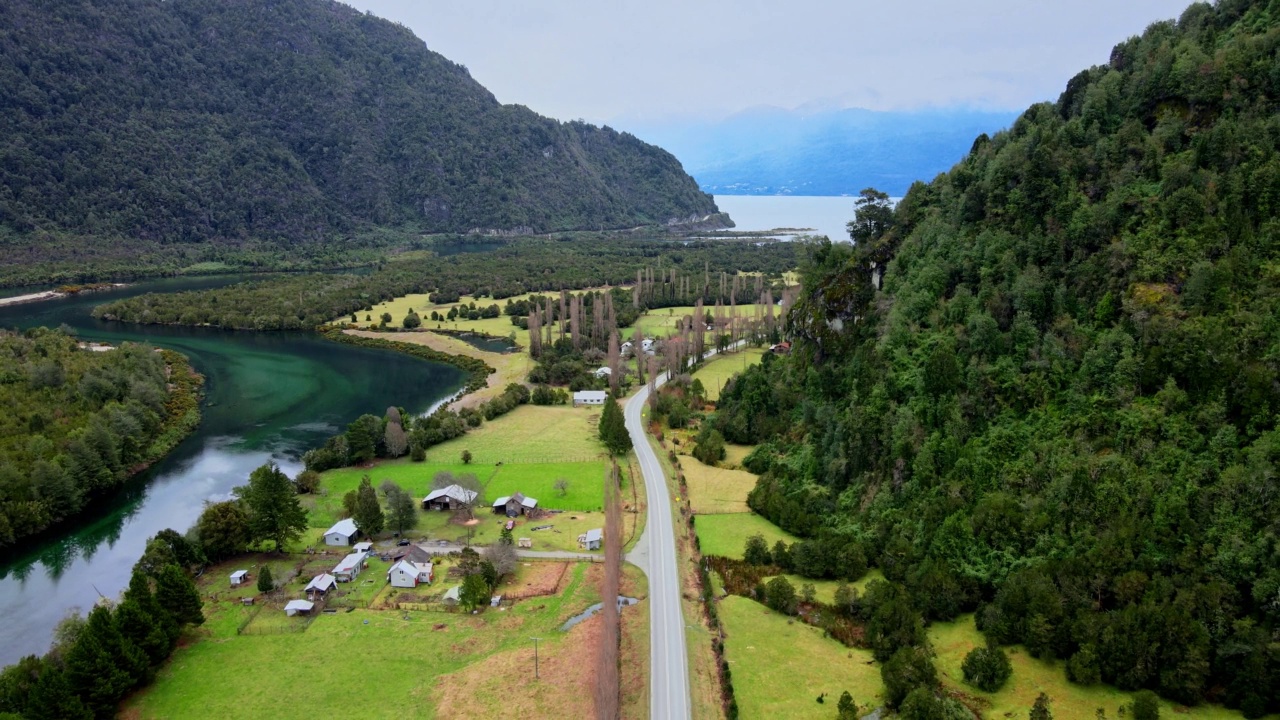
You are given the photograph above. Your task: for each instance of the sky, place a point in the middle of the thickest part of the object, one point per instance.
(609, 61)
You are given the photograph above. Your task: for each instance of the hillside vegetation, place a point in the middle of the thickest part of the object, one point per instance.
(167, 134)
(1061, 411)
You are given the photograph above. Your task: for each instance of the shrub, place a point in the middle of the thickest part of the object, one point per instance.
(986, 668)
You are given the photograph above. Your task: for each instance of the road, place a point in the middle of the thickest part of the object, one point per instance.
(668, 659)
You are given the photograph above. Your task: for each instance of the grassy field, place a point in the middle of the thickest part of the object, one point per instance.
(952, 641)
(661, 322)
(400, 663)
(715, 374)
(716, 490)
(512, 367)
(825, 590)
(781, 666)
(726, 535)
(530, 433)
(735, 454)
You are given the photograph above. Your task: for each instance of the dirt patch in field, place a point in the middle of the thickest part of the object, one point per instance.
(537, 579)
(504, 686)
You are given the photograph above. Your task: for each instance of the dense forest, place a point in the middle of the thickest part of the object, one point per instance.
(294, 133)
(78, 422)
(1060, 409)
(302, 302)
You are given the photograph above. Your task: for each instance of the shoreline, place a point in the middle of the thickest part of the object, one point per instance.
(58, 294)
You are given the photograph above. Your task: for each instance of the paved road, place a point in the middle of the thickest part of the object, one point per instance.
(656, 552)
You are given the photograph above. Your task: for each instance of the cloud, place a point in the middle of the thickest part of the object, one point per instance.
(605, 60)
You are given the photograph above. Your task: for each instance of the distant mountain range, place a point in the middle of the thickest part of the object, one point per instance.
(138, 125)
(770, 151)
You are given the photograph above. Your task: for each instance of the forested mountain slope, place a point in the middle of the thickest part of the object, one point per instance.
(256, 125)
(1061, 411)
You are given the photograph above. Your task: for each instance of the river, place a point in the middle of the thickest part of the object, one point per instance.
(269, 397)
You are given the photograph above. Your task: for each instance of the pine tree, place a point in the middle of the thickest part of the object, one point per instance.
(178, 596)
(1040, 711)
(52, 698)
(265, 582)
(613, 428)
(368, 511)
(103, 666)
(139, 591)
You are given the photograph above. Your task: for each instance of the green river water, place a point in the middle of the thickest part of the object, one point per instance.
(269, 396)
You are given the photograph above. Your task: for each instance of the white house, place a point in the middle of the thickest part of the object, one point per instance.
(626, 348)
(592, 538)
(589, 397)
(320, 585)
(603, 372)
(239, 578)
(298, 607)
(350, 567)
(409, 574)
(363, 547)
(647, 346)
(342, 532)
(448, 498)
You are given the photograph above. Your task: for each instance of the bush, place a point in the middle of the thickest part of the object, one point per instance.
(756, 551)
(780, 595)
(1146, 706)
(986, 668)
(909, 668)
(265, 582)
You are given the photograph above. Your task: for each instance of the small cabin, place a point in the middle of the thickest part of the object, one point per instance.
(349, 568)
(603, 372)
(320, 586)
(239, 578)
(363, 547)
(592, 539)
(525, 542)
(298, 607)
(448, 498)
(343, 532)
(514, 505)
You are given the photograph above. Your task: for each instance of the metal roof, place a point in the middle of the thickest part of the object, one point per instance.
(322, 582)
(595, 534)
(346, 526)
(457, 492)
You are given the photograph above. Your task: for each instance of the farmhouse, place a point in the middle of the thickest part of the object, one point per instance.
(409, 574)
(350, 567)
(448, 498)
(647, 346)
(239, 578)
(320, 586)
(604, 372)
(626, 348)
(781, 348)
(591, 539)
(514, 505)
(589, 397)
(342, 532)
(298, 607)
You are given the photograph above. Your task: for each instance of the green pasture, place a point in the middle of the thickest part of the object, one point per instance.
(726, 535)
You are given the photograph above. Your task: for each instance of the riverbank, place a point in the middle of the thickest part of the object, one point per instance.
(478, 371)
(62, 292)
(512, 367)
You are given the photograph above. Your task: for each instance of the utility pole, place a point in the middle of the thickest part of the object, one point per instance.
(535, 656)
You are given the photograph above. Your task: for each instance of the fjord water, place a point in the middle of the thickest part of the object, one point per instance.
(822, 215)
(268, 396)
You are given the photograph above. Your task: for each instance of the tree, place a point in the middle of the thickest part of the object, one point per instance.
(844, 598)
(505, 537)
(986, 668)
(909, 668)
(394, 439)
(1040, 710)
(178, 596)
(1146, 706)
(474, 592)
(308, 481)
(274, 511)
(847, 709)
(780, 595)
(103, 666)
(54, 698)
(362, 438)
(402, 515)
(466, 457)
(562, 486)
(873, 216)
(613, 428)
(807, 593)
(265, 582)
(368, 511)
(503, 558)
(709, 449)
(223, 529)
(412, 321)
(144, 630)
(756, 551)
(781, 556)
(139, 592)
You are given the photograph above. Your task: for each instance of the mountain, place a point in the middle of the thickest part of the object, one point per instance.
(770, 151)
(149, 123)
(1060, 411)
